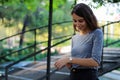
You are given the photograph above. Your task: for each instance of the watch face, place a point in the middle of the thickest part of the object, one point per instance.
(70, 58)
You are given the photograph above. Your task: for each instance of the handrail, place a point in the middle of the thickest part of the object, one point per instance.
(110, 23)
(28, 56)
(16, 51)
(43, 41)
(32, 30)
(103, 26)
(103, 46)
(112, 43)
(31, 46)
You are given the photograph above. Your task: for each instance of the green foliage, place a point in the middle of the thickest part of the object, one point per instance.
(17, 10)
(3, 52)
(43, 55)
(58, 4)
(58, 17)
(18, 53)
(110, 40)
(99, 2)
(113, 1)
(103, 1)
(36, 9)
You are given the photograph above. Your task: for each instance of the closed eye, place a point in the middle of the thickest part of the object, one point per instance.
(81, 21)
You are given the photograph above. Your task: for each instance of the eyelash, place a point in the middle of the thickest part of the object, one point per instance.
(78, 20)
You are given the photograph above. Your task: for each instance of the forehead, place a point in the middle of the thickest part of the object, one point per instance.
(74, 16)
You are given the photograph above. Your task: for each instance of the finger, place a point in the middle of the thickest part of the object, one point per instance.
(57, 65)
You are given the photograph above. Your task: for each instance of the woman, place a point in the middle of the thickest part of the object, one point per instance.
(87, 45)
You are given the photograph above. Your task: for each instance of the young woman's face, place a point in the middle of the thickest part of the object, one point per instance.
(79, 22)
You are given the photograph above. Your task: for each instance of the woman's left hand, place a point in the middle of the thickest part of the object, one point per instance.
(61, 62)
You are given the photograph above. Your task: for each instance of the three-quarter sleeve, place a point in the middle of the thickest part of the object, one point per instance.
(97, 45)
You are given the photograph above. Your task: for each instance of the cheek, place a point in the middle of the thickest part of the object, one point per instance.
(84, 24)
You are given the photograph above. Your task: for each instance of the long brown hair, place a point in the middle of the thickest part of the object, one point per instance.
(86, 12)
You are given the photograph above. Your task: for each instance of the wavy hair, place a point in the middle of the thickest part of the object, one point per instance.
(86, 12)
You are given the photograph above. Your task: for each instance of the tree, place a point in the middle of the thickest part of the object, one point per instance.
(102, 2)
(34, 13)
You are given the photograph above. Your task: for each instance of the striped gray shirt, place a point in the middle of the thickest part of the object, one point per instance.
(88, 46)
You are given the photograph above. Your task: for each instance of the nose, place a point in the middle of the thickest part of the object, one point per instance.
(77, 23)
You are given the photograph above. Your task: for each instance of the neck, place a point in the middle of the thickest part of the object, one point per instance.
(84, 32)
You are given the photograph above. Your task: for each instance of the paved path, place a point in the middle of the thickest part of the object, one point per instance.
(30, 70)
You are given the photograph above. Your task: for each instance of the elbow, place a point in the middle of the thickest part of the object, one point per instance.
(96, 64)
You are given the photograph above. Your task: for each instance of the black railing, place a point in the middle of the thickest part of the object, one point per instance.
(31, 55)
(38, 52)
(35, 42)
(114, 42)
(34, 46)
(107, 43)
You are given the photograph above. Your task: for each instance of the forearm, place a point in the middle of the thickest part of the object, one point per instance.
(86, 62)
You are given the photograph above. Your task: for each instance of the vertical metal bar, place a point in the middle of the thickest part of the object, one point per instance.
(34, 45)
(103, 29)
(6, 73)
(75, 2)
(107, 41)
(101, 64)
(49, 39)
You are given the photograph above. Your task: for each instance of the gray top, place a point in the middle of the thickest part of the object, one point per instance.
(88, 46)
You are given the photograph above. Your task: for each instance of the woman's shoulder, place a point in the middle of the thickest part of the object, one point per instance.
(98, 31)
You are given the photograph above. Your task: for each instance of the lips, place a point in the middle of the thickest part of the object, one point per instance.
(79, 28)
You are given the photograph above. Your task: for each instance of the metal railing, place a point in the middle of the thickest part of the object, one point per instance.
(34, 46)
(46, 48)
(105, 45)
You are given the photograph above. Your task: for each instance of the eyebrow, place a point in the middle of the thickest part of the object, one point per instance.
(79, 19)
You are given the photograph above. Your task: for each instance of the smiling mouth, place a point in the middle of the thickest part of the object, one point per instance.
(78, 28)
